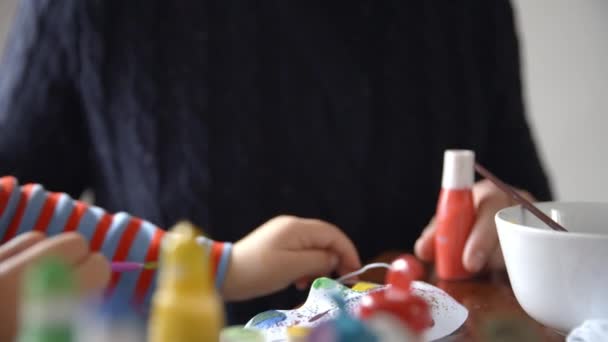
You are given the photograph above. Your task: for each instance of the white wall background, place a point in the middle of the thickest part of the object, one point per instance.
(565, 57)
(565, 52)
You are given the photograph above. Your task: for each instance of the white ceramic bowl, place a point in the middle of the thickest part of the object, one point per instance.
(559, 278)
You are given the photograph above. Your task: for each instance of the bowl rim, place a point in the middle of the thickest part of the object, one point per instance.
(551, 232)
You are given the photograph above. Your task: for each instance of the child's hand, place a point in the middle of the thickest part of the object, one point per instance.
(92, 270)
(284, 250)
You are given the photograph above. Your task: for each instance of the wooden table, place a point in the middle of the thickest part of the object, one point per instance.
(490, 300)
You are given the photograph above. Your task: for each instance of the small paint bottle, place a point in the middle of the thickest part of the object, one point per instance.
(49, 303)
(111, 319)
(298, 333)
(239, 333)
(396, 311)
(343, 328)
(389, 328)
(186, 305)
(455, 214)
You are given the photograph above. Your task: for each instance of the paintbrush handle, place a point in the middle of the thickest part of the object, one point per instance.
(519, 198)
(125, 266)
(128, 266)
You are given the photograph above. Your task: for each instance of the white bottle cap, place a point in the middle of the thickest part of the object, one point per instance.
(458, 169)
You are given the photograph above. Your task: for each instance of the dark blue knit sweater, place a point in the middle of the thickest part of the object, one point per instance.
(230, 112)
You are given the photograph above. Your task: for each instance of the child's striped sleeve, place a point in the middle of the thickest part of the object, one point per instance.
(119, 237)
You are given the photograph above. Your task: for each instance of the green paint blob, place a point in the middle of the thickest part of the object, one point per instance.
(49, 290)
(324, 283)
(50, 278)
(241, 334)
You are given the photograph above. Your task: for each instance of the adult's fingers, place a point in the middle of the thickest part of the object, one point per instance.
(482, 247)
(70, 247)
(425, 245)
(496, 260)
(19, 244)
(483, 239)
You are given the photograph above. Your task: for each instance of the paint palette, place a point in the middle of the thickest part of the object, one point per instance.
(448, 315)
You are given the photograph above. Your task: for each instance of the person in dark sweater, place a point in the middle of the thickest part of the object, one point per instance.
(228, 113)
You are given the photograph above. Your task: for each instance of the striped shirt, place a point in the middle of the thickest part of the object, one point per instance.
(119, 237)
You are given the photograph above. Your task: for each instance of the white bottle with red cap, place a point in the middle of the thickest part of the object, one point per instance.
(455, 214)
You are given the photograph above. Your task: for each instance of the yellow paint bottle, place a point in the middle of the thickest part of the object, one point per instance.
(186, 306)
(298, 334)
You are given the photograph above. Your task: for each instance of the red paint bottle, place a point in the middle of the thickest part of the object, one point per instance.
(455, 214)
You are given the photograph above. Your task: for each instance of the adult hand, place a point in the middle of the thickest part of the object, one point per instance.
(482, 248)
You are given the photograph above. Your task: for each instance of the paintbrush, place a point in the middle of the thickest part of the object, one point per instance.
(127, 266)
(519, 198)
